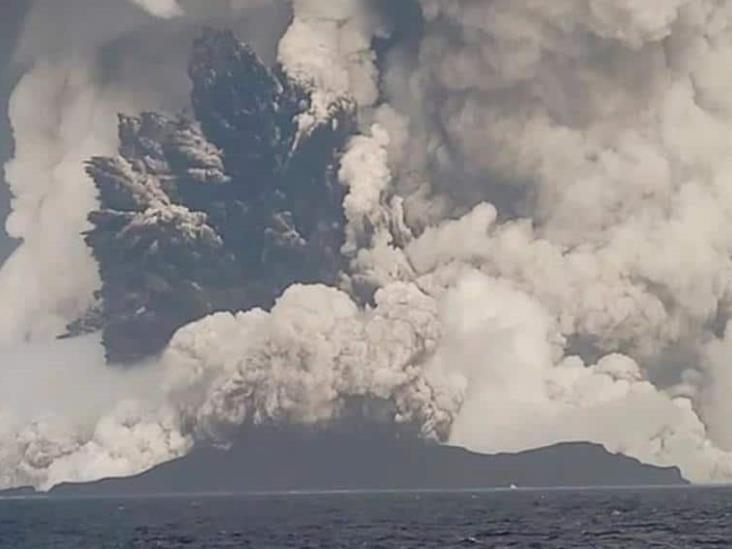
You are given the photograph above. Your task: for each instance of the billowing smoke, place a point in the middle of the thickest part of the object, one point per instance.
(502, 219)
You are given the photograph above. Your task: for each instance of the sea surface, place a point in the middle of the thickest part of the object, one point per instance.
(622, 518)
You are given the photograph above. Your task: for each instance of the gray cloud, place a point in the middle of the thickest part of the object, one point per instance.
(10, 26)
(525, 174)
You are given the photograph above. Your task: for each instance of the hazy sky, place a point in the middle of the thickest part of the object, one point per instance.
(10, 16)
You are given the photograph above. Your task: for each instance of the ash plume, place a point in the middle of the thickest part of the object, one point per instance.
(504, 219)
(219, 214)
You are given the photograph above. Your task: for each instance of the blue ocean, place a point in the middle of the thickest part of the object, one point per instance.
(615, 518)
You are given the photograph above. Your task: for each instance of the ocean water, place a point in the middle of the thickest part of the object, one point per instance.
(691, 517)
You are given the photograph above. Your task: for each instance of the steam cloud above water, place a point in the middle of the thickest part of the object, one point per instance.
(518, 210)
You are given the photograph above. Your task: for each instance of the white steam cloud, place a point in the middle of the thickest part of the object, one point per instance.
(539, 196)
(160, 8)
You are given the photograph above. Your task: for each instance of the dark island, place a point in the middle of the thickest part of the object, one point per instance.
(288, 459)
